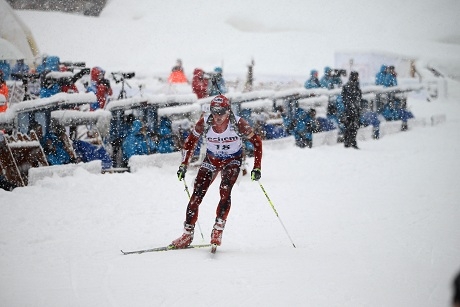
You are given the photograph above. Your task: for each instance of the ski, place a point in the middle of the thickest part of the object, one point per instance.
(164, 248)
(213, 248)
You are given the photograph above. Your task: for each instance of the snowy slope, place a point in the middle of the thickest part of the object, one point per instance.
(378, 226)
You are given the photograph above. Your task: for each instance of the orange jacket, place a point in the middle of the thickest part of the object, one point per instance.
(177, 76)
(4, 92)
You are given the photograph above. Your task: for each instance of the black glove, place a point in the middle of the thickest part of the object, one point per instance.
(256, 174)
(181, 172)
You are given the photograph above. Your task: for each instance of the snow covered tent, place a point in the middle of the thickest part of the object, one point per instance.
(17, 33)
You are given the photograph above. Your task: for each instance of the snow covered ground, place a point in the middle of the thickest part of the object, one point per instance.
(378, 226)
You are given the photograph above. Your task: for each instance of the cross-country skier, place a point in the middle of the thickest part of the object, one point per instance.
(224, 133)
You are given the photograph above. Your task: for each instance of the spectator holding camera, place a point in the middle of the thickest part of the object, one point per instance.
(217, 86)
(101, 87)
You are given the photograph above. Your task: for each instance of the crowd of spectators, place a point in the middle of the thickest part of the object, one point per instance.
(52, 76)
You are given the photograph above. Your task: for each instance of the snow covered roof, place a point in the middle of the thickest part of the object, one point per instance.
(301, 91)
(265, 104)
(159, 100)
(60, 99)
(69, 117)
(248, 96)
(192, 108)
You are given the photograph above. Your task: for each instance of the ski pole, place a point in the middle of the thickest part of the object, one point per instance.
(273, 207)
(188, 193)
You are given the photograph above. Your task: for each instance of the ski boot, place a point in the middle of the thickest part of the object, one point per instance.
(186, 238)
(216, 234)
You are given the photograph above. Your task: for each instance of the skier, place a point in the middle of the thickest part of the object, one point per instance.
(223, 132)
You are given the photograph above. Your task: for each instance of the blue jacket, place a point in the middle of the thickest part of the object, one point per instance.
(304, 125)
(327, 81)
(380, 76)
(390, 80)
(166, 141)
(135, 142)
(19, 68)
(313, 81)
(6, 68)
(57, 155)
(89, 152)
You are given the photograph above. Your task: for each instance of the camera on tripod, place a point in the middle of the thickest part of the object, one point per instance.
(73, 65)
(338, 72)
(26, 77)
(121, 76)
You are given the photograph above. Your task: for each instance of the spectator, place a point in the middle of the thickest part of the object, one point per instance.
(3, 91)
(380, 76)
(152, 142)
(456, 297)
(305, 124)
(313, 81)
(177, 73)
(369, 117)
(167, 142)
(217, 85)
(199, 83)
(101, 87)
(336, 80)
(42, 66)
(49, 85)
(390, 78)
(6, 69)
(53, 147)
(19, 68)
(87, 152)
(327, 81)
(351, 96)
(135, 142)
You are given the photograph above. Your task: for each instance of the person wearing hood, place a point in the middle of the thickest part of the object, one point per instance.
(99, 86)
(351, 96)
(305, 124)
(327, 80)
(135, 142)
(380, 76)
(199, 83)
(313, 81)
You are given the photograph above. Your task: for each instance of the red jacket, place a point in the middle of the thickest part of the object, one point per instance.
(4, 92)
(199, 83)
(102, 92)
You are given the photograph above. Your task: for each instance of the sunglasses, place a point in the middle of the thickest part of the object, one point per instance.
(218, 110)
